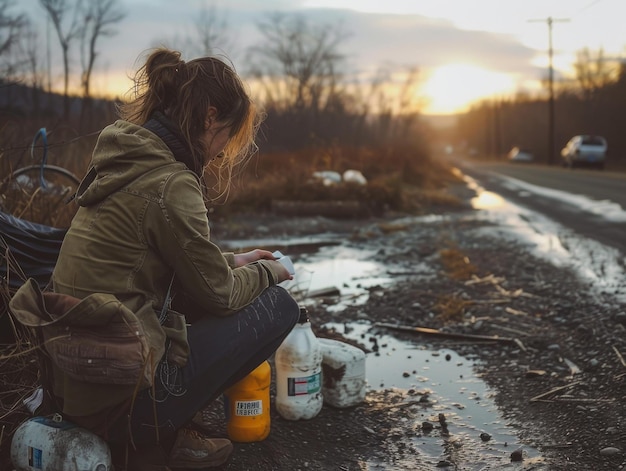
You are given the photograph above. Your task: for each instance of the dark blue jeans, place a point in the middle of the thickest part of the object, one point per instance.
(223, 351)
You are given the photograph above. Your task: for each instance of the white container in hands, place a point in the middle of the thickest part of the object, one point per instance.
(285, 261)
(298, 363)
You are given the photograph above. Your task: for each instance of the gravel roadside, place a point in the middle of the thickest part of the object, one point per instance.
(562, 383)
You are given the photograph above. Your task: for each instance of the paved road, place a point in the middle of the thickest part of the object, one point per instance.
(597, 185)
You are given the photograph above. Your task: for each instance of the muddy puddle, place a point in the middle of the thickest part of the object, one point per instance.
(440, 381)
(478, 436)
(344, 272)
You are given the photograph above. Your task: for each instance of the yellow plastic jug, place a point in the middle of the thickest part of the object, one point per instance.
(247, 406)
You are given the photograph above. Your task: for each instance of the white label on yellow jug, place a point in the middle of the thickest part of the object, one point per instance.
(248, 408)
(304, 385)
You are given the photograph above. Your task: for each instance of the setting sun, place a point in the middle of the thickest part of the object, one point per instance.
(453, 88)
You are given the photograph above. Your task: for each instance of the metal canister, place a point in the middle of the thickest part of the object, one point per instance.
(54, 444)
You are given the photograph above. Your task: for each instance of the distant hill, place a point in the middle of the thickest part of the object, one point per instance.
(23, 100)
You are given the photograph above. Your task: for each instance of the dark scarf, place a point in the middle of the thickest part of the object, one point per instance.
(169, 133)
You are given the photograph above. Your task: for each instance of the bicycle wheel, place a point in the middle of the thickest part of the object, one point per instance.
(40, 193)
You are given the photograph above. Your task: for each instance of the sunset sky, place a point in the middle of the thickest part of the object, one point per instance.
(464, 49)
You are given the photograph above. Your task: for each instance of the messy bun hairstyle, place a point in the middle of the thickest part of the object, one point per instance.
(183, 92)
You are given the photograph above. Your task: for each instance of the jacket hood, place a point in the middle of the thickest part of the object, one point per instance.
(123, 152)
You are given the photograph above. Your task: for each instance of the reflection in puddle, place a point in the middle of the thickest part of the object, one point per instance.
(600, 264)
(349, 270)
(453, 389)
(487, 200)
(448, 379)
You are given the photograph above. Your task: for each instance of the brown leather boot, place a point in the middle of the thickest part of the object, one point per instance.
(193, 450)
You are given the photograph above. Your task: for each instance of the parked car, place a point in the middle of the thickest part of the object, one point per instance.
(517, 154)
(585, 150)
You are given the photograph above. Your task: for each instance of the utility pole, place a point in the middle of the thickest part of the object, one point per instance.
(551, 127)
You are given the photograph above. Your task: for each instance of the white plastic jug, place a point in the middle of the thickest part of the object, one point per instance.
(343, 373)
(54, 444)
(298, 373)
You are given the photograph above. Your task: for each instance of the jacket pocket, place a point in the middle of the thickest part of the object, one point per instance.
(112, 354)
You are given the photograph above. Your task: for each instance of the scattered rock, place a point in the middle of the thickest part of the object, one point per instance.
(556, 316)
(610, 451)
(620, 318)
(517, 455)
(427, 427)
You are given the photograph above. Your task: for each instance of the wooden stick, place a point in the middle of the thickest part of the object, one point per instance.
(401, 405)
(487, 279)
(515, 312)
(552, 391)
(510, 330)
(619, 355)
(557, 445)
(451, 335)
(581, 399)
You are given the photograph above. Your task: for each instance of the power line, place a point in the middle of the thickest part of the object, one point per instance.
(50, 145)
(588, 6)
(549, 21)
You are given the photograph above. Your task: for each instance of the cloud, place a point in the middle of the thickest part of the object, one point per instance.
(373, 41)
(415, 40)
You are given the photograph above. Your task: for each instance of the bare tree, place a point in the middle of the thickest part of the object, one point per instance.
(212, 31)
(408, 105)
(30, 47)
(98, 19)
(33, 72)
(10, 26)
(57, 11)
(298, 62)
(211, 34)
(594, 71)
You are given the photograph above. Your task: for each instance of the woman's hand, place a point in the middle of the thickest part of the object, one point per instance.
(279, 269)
(242, 259)
(282, 272)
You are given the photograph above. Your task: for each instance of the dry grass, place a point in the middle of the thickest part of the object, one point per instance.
(19, 371)
(19, 378)
(451, 308)
(395, 182)
(49, 206)
(398, 179)
(456, 264)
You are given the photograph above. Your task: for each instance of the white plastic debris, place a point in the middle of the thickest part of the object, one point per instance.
(328, 177)
(354, 176)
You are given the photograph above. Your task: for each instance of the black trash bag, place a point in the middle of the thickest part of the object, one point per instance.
(27, 250)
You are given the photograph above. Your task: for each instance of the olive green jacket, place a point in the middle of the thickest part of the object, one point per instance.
(140, 221)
